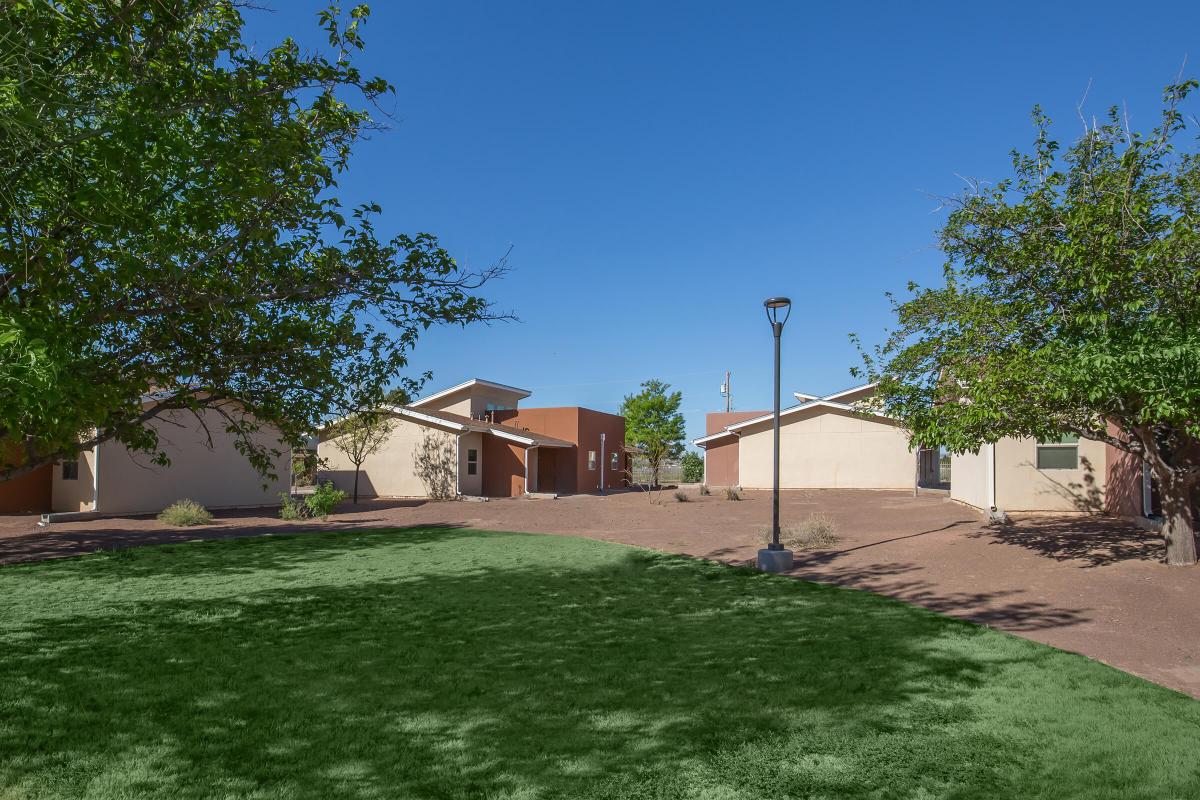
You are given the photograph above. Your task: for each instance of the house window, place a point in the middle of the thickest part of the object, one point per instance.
(472, 461)
(614, 460)
(70, 470)
(1060, 453)
(592, 460)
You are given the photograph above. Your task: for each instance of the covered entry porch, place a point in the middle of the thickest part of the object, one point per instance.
(516, 463)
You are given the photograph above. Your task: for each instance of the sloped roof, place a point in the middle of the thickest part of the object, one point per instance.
(828, 401)
(463, 424)
(467, 385)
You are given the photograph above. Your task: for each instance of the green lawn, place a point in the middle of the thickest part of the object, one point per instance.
(460, 664)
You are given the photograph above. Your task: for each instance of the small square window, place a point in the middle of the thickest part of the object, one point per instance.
(1059, 453)
(591, 460)
(70, 470)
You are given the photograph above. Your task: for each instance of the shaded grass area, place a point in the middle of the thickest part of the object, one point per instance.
(449, 663)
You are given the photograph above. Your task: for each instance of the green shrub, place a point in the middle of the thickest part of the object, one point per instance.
(681, 497)
(324, 500)
(704, 492)
(815, 533)
(731, 494)
(291, 508)
(693, 467)
(184, 514)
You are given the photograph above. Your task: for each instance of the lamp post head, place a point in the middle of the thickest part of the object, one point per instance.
(775, 305)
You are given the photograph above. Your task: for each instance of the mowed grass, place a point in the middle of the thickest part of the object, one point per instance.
(449, 663)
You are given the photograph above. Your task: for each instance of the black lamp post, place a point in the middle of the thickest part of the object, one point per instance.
(775, 558)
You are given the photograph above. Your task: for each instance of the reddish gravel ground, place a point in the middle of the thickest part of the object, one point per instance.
(1088, 584)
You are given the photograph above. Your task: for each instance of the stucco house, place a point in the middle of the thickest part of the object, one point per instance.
(111, 479)
(25, 493)
(1067, 474)
(825, 443)
(473, 440)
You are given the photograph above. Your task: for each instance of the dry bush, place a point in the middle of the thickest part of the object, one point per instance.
(817, 532)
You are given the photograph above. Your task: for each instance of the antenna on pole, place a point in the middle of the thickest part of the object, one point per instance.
(726, 392)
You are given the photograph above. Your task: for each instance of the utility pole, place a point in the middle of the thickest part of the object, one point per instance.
(727, 393)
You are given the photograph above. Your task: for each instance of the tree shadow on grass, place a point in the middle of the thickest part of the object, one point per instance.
(594, 671)
(225, 554)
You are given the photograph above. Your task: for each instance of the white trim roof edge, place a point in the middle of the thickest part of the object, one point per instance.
(711, 436)
(802, 407)
(468, 384)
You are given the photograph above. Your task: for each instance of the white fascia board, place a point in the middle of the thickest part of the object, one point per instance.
(845, 392)
(719, 434)
(513, 436)
(803, 407)
(783, 413)
(428, 419)
(523, 393)
(804, 398)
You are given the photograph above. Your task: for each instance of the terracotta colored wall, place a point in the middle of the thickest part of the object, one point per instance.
(29, 492)
(1123, 484)
(583, 427)
(721, 457)
(503, 467)
(591, 425)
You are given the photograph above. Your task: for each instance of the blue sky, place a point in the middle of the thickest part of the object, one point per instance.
(660, 168)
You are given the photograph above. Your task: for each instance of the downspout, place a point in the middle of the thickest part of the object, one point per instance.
(458, 465)
(526, 481)
(991, 475)
(96, 477)
(601, 463)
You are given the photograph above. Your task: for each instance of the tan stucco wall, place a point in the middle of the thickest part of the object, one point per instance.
(471, 485)
(827, 449)
(74, 495)
(1021, 486)
(968, 478)
(472, 401)
(221, 477)
(393, 470)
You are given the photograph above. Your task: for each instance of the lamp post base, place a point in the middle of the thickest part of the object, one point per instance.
(774, 560)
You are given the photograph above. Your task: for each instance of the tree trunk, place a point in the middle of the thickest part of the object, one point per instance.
(1177, 524)
(356, 484)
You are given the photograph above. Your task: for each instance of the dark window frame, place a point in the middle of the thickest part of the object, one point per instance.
(1050, 454)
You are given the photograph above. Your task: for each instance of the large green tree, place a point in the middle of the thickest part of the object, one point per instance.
(170, 233)
(654, 424)
(1071, 303)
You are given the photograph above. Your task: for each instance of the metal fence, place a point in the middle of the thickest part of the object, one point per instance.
(669, 472)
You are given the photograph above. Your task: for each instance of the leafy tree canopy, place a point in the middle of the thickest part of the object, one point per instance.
(170, 236)
(654, 424)
(1071, 303)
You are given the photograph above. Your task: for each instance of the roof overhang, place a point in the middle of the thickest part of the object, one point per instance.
(823, 403)
(521, 393)
(712, 437)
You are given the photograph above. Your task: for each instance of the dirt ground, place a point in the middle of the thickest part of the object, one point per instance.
(1087, 584)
